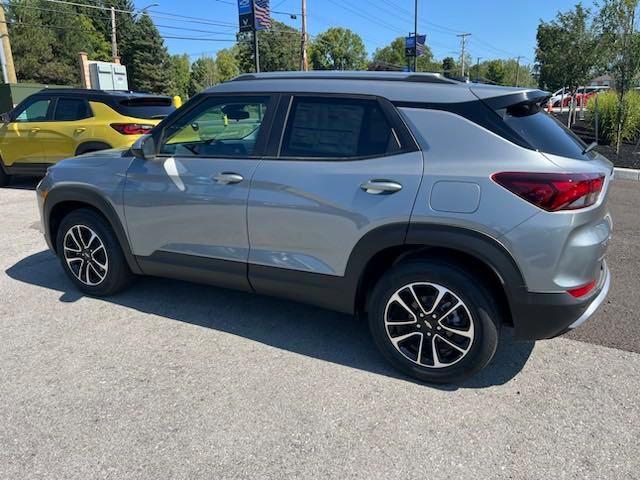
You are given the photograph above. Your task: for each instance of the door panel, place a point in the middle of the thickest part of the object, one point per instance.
(191, 201)
(175, 205)
(308, 215)
(21, 140)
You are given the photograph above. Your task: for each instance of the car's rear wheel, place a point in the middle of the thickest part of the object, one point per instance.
(91, 255)
(434, 321)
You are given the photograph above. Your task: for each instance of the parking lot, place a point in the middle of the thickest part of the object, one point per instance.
(172, 380)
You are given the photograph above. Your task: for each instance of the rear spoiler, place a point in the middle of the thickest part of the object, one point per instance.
(516, 98)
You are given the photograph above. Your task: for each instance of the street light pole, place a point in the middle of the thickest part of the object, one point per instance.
(114, 41)
(304, 64)
(415, 37)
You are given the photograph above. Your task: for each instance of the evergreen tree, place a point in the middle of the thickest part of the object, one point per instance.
(149, 65)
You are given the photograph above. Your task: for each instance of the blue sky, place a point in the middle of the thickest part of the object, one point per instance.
(499, 28)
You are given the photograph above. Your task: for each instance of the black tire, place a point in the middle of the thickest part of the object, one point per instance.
(117, 275)
(479, 305)
(5, 178)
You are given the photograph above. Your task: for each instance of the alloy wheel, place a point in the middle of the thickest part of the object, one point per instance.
(86, 255)
(429, 325)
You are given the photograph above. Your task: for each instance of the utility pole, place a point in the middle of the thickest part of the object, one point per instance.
(304, 63)
(518, 69)
(478, 69)
(8, 69)
(114, 40)
(462, 58)
(415, 36)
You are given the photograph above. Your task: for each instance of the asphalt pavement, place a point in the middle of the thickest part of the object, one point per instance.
(171, 380)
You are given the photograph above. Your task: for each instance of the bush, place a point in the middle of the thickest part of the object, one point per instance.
(608, 106)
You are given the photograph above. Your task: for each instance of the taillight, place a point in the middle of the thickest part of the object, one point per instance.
(131, 128)
(553, 191)
(583, 290)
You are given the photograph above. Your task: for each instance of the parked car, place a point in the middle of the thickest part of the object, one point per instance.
(441, 211)
(60, 123)
(563, 96)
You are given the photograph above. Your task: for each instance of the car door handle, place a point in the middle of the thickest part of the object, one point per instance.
(381, 187)
(228, 178)
(35, 130)
(80, 130)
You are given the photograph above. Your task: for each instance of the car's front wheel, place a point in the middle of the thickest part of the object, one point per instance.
(91, 255)
(434, 321)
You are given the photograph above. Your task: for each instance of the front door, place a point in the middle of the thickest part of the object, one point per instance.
(21, 140)
(188, 207)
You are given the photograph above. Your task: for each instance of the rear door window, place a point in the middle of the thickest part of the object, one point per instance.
(542, 131)
(325, 127)
(149, 108)
(71, 109)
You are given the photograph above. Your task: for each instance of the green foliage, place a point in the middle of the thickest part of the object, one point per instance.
(149, 67)
(392, 56)
(503, 72)
(495, 72)
(449, 67)
(227, 64)
(179, 66)
(566, 50)
(279, 49)
(204, 74)
(609, 107)
(338, 49)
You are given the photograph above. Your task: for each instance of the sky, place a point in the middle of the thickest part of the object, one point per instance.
(498, 28)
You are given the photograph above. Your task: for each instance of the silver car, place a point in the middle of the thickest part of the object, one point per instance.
(441, 211)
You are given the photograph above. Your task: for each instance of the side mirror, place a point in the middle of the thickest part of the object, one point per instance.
(5, 117)
(145, 148)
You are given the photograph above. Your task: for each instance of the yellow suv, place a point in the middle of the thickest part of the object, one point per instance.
(54, 124)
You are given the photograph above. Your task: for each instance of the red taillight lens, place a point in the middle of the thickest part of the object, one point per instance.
(131, 128)
(553, 191)
(583, 290)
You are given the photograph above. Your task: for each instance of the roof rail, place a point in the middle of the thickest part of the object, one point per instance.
(350, 75)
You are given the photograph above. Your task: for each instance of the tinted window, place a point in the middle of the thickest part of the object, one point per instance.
(69, 109)
(148, 108)
(218, 128)
(334, 128)
(35, 111)
(542, 131)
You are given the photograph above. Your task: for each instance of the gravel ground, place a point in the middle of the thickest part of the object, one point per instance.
(171, 380)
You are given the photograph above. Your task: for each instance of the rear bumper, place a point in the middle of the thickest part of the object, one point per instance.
(547, 315)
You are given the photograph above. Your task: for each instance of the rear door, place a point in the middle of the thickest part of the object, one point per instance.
(342, 166)
(69, 128)
(189, 206)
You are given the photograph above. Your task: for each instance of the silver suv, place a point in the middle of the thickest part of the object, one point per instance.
(441, 211)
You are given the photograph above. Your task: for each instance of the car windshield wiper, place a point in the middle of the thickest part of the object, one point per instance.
(589, 147)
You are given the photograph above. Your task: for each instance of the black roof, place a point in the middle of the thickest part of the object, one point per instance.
(99, 95)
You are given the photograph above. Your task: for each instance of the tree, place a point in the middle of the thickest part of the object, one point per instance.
(449, 67)
(279, 49)
(338, 49)
(566, 50)
(149, 67)
(393, 55)
(179, 67)
(621, 47)
(495, 72)
(203, 75)
(227, 64)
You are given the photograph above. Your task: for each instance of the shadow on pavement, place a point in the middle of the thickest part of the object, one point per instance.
(302, 329)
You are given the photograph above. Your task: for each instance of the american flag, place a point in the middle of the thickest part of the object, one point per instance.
(262, 14)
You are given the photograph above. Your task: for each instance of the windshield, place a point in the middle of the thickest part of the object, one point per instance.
(543, 132)
(149, 108)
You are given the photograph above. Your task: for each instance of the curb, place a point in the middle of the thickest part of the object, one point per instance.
(627, 174)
